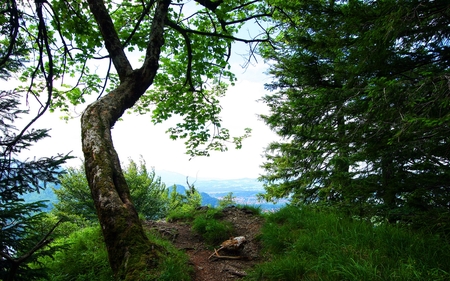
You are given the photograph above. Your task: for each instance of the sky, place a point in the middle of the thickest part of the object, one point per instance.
(136, 136)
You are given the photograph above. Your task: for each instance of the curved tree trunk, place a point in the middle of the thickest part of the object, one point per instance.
(130, 252)
(126, 242)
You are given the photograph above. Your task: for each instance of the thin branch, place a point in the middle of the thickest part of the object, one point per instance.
(211, 5)
(155, 42)
(44, 242)
(141, 18)
(111, 38)
(244, 5)
(106, 79)
(224, 36)
(42, 39)
(249, 18)
(189, 53)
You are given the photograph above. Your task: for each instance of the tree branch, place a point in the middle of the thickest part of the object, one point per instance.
(155, 42)
(141, 18)
(44, 242)
(219, 35)
(111, 38)
(211, 5)
(188, 50)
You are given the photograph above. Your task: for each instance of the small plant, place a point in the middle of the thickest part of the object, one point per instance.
(211, 229)
(183, 206)
(227, 200)
(180, 215)
(255, 210)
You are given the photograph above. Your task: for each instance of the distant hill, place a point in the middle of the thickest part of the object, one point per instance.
(245, 190)
(206, 199)
(43, 195)
(211, 186)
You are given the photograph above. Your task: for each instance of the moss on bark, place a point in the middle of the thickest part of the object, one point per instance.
(129, 250)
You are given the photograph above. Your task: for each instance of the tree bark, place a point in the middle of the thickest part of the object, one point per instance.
(130, 252)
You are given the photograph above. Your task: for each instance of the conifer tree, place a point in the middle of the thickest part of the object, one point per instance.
(22, 239)
(361, 98)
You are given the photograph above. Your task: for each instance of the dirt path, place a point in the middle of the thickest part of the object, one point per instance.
(213, 269)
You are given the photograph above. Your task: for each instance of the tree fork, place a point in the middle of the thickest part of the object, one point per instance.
(129, 250)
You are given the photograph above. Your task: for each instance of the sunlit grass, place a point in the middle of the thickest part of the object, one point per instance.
(312, 244)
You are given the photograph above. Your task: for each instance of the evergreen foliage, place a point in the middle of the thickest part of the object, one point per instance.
(183, 206)
(362, 102)
(227, 200)
(22, 238)
(149, 194)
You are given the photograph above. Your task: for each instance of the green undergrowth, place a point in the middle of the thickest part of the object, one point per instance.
(210, 226)
(180, 215)
(85, 258)
(311, 244)
(256, 210)
(207, 222)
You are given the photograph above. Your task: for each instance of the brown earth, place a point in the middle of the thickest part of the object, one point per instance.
(208, 267)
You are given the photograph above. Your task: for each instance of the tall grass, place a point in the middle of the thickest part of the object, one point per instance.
(312, 244)
(85, 258)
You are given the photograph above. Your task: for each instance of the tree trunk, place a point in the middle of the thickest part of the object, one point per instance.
(129, 250)
(131, 254)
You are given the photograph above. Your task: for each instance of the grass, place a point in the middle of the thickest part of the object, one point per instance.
(86, 259)
(211, 228)
(299, 244)
(312, 244)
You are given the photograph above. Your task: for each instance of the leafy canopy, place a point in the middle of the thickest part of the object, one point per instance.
(194, 70)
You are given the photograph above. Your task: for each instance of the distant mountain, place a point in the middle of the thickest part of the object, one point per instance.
(171, 178)
(211, 186)
(206, 198)
(233, 185)
(244, 190)
(46, 194)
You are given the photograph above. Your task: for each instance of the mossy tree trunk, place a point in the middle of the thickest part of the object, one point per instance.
(130, 252)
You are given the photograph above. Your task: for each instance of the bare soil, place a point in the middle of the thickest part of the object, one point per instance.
(208, 267)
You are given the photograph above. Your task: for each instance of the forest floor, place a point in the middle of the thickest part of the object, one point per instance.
(231, 265)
